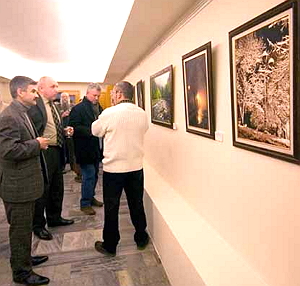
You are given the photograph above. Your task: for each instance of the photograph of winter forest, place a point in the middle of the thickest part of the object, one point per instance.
(198, 91)
(262, 84)
(161, 93)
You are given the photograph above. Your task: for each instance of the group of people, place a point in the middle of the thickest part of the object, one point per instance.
(32, 159)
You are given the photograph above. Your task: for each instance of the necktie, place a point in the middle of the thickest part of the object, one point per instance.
(59, 130)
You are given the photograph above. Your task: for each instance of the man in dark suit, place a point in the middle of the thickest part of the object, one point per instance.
(21, 178)
(87, 147)
(47, 121)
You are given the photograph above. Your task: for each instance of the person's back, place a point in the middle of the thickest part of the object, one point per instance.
(126, 125)
(123, 127)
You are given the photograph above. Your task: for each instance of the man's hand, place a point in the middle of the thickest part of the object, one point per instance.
(65, 113)
(44, 142)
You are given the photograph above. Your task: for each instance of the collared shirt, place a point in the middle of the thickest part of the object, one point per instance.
(50, 129)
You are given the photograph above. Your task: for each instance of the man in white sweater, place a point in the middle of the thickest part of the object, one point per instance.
(123, 127)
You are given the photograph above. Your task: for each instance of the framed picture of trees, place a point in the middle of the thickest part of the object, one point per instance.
(264, 59)
(197, 77)
(162, 97)
(140, 94)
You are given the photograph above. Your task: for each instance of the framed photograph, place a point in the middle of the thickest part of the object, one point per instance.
(134, 94)
(198, 94)
(74, 95)
(264, 62)
(162, 97)
(140, 94)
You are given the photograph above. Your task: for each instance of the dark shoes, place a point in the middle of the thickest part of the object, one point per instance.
(33, 279)
(88, 210)
(43, 234)
(142, 245)
(60, 222)
(100, 248)
(37, 260)
(96, 203)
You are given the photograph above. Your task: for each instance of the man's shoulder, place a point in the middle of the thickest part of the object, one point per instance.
(11, 108)
(9, 114)
(80, 107)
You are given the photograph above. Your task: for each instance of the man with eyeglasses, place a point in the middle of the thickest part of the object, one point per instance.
(123, 127)
(88, 149)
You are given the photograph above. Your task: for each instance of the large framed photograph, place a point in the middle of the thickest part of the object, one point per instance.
(140, 94)
(162, 97)
(198, 94)
(264, 59)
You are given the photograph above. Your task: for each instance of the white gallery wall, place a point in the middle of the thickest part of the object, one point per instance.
(218, 215)
(4, 91)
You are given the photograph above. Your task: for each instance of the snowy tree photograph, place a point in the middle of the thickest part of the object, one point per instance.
(262, 83)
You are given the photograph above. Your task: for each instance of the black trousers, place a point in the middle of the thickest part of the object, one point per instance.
(20, 216)
(113, 185)
(52, 199)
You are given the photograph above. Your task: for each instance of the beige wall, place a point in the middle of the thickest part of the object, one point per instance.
(4, 90)
(234, 213)
(73, 86)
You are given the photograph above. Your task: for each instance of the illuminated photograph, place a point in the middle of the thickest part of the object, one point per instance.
(162, 99)
(263, 84)
(140, 94)
(198, 91)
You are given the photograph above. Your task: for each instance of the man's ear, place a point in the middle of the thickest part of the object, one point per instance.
(19, 91)
(119, 96)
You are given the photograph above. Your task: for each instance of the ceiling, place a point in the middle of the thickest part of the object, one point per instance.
(33, 30)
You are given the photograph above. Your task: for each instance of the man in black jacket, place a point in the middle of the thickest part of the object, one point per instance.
(88, 149)
(47, 122)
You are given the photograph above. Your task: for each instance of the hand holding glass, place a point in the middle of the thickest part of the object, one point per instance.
(69, 130)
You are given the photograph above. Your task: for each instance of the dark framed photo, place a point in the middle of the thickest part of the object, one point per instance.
(133, 97)
(140, 94)
(198, 94)
(264, 62)
(162, 97)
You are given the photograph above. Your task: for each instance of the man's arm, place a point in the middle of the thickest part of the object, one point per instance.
(11, 146)
(75, 120)
(99, 126)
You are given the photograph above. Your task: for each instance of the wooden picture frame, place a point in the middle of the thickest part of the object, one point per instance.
(198, 91)
(140, 94)
(74, 95)
(264, 66)
(162, 97)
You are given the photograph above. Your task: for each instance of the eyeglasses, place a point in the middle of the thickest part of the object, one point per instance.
(114, 92)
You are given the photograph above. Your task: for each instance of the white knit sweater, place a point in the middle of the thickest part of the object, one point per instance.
(123, 127)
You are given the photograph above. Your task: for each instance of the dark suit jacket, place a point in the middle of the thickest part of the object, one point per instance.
(21, 178)
(87, 147)
(38, 115)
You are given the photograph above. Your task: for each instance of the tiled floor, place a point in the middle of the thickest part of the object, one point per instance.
(72, 258)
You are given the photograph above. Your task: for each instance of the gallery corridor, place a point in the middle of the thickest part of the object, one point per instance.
(72, 258)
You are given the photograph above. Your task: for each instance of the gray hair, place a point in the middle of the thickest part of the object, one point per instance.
(93, 85)
(20, 82)
(126, 88)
